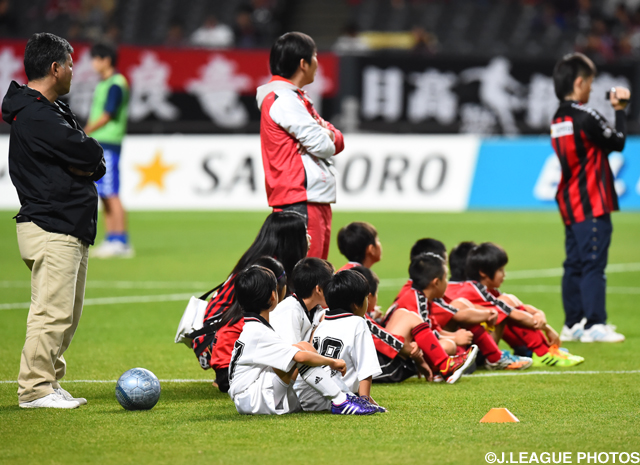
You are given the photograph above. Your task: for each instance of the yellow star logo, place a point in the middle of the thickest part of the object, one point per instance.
(154, 172)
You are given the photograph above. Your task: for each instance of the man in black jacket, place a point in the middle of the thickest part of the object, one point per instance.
(53, 165)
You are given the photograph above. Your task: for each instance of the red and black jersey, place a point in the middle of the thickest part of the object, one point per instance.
(582, 140)
(385, 342)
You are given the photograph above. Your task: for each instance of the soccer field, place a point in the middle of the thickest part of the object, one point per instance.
(132, 309)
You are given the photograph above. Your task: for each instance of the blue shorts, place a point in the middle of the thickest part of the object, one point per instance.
(109, 184)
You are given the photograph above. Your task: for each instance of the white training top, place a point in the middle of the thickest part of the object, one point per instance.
(258, 348)
(347, 336)
(291, 320)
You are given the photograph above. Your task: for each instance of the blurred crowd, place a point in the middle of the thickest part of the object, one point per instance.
(246, 23)
(606, 30)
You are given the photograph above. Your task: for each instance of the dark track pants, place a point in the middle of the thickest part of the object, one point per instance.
(584, 281)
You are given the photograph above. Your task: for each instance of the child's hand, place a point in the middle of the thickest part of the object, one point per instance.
(415, 350)
(423, 367)
(552, 336)
(492, 319)
(339, 365)
(462, 337)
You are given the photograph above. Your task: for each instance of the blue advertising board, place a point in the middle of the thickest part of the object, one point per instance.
(523, 173)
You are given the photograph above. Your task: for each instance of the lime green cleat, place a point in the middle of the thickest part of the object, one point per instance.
(556, 358)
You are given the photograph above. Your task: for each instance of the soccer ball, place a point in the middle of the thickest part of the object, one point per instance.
(138, 389)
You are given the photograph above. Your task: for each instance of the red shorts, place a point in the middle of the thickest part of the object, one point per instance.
(319, 228)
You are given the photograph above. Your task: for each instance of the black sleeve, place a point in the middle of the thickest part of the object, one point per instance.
(600, 132)
(53, 137)
(100, 171)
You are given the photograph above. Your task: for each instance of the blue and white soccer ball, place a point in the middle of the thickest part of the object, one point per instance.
(138, 389)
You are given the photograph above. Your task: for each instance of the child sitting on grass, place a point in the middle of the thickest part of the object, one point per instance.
(409, 317)
(344, 333)
(263, 366)
(467, 262)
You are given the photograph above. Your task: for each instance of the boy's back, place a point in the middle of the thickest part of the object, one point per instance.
(293, 322)
(346, 336)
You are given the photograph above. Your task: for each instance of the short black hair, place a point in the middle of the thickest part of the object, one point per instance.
(309, 273)
(486, 257)
(104, 50)
(567, 70)
(425, 268)
(254, 287)
(354, 238)
(370, 276)
(276, 267)
(42, 50)
(345, 289)
(288, 50)
(458, 260)
(428, 245)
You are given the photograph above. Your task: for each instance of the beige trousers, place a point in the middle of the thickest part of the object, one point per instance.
(58, 265)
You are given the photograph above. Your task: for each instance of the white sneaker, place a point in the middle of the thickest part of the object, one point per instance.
(601, 333)
(574, 333)
(112, 249)
(53, 400)
(66, 396)
(610, 326)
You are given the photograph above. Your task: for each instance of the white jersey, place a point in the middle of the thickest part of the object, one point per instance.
(254, 386)
(347, 336)
(293, 322)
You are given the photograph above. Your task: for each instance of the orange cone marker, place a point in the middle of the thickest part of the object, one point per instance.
(499, 415)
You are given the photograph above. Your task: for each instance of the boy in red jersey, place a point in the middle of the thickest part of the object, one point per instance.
(359, 242)
(586, 196)
(484, 270)
(297, 144)
(429, 274)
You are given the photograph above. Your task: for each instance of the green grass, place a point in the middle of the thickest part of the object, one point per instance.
(426, 423)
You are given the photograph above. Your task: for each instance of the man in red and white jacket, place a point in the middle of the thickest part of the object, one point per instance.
(297, 144)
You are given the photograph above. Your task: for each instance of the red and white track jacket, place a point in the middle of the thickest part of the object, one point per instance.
(288, 117)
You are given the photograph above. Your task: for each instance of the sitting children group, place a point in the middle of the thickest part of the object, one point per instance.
(325, 344)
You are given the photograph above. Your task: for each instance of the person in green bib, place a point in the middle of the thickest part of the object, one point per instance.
(108, 125)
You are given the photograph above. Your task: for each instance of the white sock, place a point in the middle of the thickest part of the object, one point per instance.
(320, 380)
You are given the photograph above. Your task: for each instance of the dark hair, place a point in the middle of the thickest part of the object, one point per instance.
(567, 70)
(288, 50)
(354, 238)
(283, 236)
(309, 273)
(425, 268)
(276, 267)
(254, 288)
(42, 50)
(104, 50)
(234, 313)
(346, 288)
(458, 260)
(370, 276)
(486, 257)
(428, 245)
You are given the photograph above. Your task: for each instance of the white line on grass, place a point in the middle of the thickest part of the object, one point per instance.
(479, 375)
(386, 283)
(130, 299)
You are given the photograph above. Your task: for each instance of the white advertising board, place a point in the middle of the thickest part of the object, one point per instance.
(376, 172)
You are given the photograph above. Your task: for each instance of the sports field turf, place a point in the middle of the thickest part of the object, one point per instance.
(189, 252)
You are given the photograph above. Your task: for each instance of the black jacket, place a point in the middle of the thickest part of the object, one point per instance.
(45, 141)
